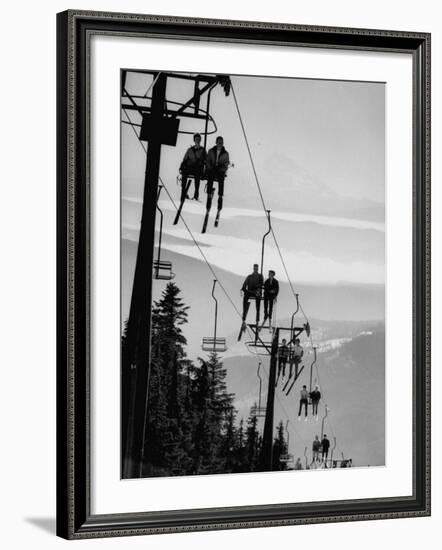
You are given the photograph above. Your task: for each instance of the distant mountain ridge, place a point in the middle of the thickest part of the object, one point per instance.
(334, 302)
(351, 377)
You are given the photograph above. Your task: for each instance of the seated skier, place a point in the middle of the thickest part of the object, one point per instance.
(271, 291)
(303, 402)
(251, 290)
(193, 165)
(217, 163)
(296, 356)
(325, 445)
(283, 354)
(316, 448)
(315, 396)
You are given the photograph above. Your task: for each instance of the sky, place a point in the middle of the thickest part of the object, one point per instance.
(319, 151)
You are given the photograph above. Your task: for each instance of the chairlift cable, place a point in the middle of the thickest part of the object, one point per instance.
(259, 188)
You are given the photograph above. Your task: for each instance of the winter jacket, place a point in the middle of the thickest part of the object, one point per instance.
(271, 288)
(298, 352)
(253, 283)
(316, 445)
(283, 352)
(315, 395)
(325, 444)
(194, 159)
(219, 167)
(304, 394)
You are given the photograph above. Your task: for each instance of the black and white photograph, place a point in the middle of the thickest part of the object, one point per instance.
(252, 274)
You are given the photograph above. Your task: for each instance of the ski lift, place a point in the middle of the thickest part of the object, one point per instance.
(287, 457)
(258, 410)
(213, 343)
(225, 83)
(259, 295)
(162, 268)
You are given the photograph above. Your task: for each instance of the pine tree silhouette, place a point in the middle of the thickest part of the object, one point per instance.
(191, 423)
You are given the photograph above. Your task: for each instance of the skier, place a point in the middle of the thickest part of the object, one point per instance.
(316, 447)
(251, 290)
(325, 444)
(315, 396)
(296, 356)
(303, 402)
(271, 290)
(283, 354)
(217, 163)
(193, 165)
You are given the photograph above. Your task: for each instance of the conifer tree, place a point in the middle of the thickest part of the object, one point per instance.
(253, 444)
(212, 405)
(167, 447)
(279, 448)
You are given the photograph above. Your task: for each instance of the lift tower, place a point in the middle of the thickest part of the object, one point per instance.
(270, 349)
(160, 126)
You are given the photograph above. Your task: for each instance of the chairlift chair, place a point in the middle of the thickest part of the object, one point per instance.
(259, 412)
(162, 269)
(258, 293)
(257, 409)
(214, 344)
(287, 457)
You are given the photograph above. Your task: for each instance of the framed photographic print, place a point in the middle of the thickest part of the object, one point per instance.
(243, 274)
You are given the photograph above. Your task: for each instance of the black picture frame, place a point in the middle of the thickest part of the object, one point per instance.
(74, 518)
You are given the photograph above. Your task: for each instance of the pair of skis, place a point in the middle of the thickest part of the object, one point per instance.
(206, 219)
(208, 208)
(296, 376)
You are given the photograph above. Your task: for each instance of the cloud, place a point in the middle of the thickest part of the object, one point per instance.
(237, 255)
(230, 213)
